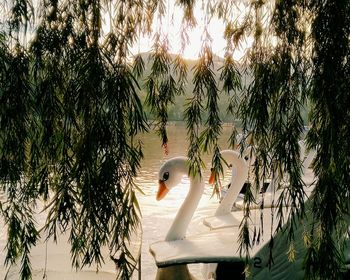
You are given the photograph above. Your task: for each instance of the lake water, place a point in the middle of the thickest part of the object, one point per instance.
(157, 216)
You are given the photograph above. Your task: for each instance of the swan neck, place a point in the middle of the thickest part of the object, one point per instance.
(238, 178)
(184, 215)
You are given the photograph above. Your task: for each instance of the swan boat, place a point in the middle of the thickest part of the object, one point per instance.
(219, 243)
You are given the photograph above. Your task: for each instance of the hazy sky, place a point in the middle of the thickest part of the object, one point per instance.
(171, 25)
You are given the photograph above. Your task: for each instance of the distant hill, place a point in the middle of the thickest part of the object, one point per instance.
(176, 110)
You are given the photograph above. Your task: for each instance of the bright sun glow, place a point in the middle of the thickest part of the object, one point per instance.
(171, 25)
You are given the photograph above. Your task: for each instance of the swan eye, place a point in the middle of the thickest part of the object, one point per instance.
(166, 176)
(246, 157)
(230, 165)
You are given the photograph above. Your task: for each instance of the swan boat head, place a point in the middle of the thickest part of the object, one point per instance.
(231, 159)
(239, 175)
(170, 175)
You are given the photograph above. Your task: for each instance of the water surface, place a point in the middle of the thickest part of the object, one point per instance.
(157, 217)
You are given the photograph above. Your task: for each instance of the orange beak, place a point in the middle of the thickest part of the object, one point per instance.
(212, 177)
(162, 190)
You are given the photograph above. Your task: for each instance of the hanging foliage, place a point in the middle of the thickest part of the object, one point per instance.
(70, 113)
